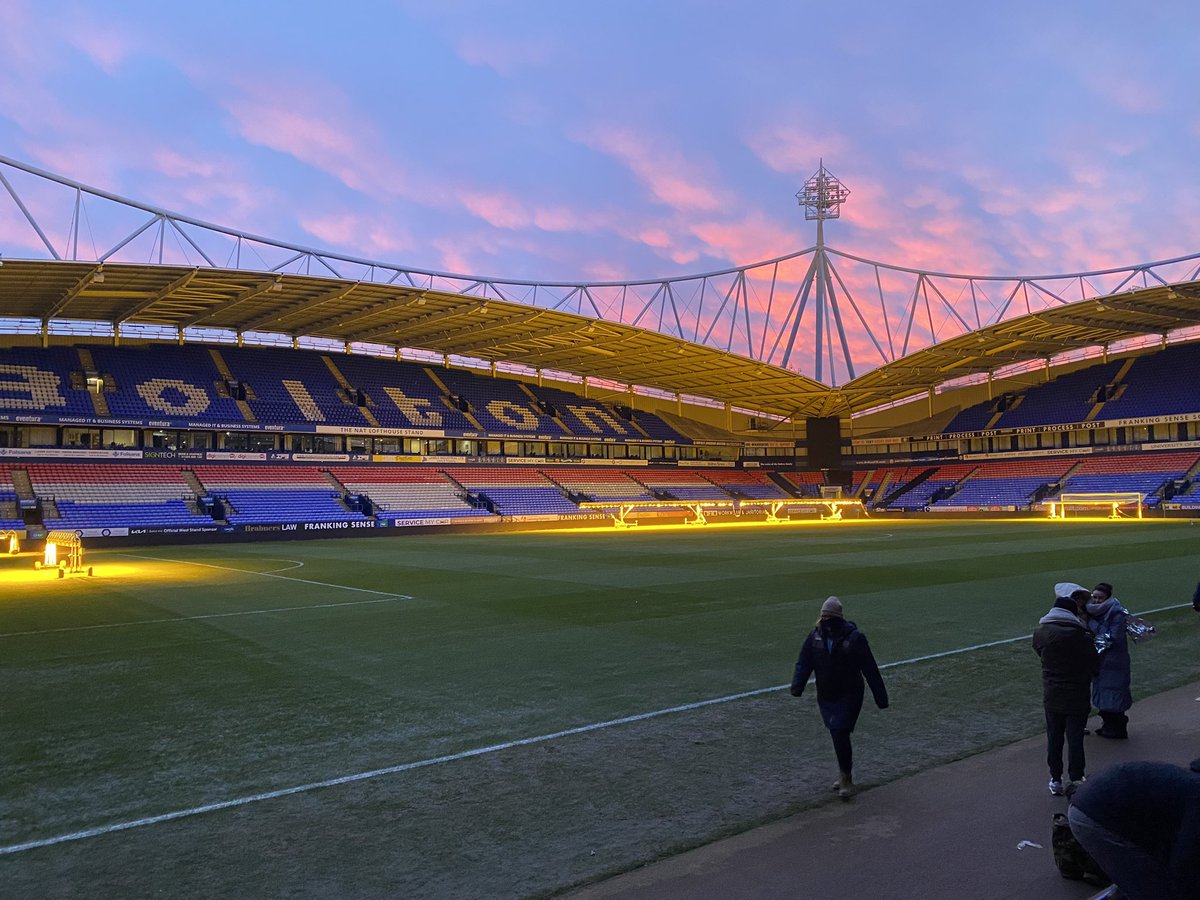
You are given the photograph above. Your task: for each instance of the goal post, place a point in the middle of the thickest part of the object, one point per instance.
(1117, 504)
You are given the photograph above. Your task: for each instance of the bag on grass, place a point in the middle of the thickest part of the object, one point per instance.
(1072, 860)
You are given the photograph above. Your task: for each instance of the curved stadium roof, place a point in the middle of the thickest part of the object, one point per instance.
(929, 327)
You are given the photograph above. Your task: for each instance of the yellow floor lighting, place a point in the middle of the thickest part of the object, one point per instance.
(834, 507)
(625, 512)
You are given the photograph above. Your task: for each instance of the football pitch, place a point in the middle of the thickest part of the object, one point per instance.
(506, 715)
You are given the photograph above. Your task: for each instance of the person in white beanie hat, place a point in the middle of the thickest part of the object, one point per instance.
(1069, 663)
(841, 658)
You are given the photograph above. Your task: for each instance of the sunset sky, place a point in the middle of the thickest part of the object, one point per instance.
(604, 141)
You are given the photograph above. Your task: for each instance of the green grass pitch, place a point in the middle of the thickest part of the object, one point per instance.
(228, 675)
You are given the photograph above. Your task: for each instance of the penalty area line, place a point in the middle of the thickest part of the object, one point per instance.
(273, 574)
(236, 802)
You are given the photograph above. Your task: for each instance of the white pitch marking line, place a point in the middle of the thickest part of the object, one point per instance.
(248, 612)
(454, 757)
(188, 562)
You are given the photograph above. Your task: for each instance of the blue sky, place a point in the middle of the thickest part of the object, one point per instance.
(552, 140)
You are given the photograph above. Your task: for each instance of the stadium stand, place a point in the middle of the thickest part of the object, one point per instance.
(591, 483)
(1162, 383)
(402, 395)
(1010, 483)
(287, 386)
(408, 492)
(190, 384)
(1145, 473)
(113, 496)
(501, 407)
(918, 495)
(10, 513)
(1190, 497)
(807, 484)
(1068, 398)
(515, 490)
(747, 483)
(882, 483)
(176, 383)
(680, 484)
(1155, 384)
(275, 389)
(40, 380)
(655, 427)
(591, 419)
(270, 494)
(972, 418)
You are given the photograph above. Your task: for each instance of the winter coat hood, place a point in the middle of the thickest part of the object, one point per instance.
(1062, 617)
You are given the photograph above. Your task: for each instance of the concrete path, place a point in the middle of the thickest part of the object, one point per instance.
(952, 832)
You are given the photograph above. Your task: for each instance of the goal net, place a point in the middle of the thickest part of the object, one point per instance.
(1116, 505)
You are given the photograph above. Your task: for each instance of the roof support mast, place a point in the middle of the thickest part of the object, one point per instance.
(822, 197)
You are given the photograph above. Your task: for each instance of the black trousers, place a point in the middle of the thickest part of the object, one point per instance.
(841, 746)
(1060, 726)
(1116, 724)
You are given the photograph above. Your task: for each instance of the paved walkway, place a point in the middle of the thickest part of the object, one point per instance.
(952, 832)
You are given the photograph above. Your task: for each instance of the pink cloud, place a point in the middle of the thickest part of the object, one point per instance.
(174, 164)
(97, 166)
(670, 177)
(332, 146)
(103, 43)
(362, 235)
(600, 270)
(753, 237)
(560, 218)
(790, 149)
(683, 257)
(454, 255)
(17, 239)
(337, 229)
(21, 40)
(655, 237)
(498, 208)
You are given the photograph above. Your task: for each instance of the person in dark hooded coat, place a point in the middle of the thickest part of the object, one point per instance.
(1111, 690)
(1141, 822)
(1069, 663)
(841, 658)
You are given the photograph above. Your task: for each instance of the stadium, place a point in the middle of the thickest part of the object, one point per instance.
(556, 537)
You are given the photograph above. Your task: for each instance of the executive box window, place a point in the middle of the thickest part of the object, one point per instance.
(248, 441)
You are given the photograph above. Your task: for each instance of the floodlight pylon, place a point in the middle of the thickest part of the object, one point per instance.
(822, 197)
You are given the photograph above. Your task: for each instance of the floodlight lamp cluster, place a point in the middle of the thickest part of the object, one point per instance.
(822, 196)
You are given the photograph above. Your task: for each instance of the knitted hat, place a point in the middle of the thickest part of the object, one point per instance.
(832, 608)
(1067, 588)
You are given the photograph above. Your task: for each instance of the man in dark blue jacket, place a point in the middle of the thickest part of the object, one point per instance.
(841, 658)
(1141, 822)
(1069, 663)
